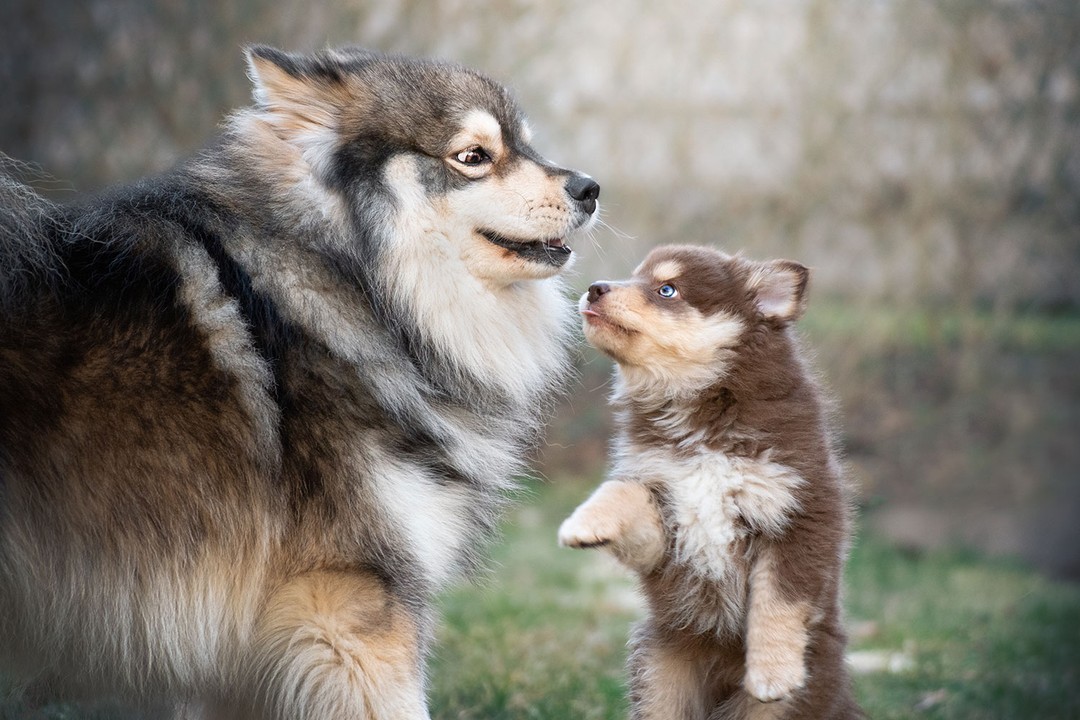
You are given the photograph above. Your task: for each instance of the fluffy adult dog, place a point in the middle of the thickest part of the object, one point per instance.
(726, 496)
(255, 412)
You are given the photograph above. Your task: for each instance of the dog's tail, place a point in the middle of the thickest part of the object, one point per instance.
(27, 223)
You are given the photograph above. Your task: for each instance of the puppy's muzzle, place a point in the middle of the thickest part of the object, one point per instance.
(597, 289)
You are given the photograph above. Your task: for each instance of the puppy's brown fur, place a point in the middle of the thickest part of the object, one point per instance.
(726, 496)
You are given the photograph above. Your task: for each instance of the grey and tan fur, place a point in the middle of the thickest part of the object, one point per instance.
(725, 494)
(255, 412)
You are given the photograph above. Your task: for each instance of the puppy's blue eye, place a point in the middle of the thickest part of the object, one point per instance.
(667, 290)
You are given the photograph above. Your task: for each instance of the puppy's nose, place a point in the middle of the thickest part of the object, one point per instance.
(597, 289)
(585, 190)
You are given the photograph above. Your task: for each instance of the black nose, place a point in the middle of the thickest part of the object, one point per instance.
(597, 289)
(585, 190)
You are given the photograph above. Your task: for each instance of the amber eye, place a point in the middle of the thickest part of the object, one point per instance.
(667, 290)
(473, 156)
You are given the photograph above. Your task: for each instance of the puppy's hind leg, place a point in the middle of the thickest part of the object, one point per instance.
(338, 645)
(620, 517)
(777, 633)
(667, 679)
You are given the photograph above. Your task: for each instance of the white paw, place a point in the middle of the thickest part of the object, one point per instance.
(581, 531)
(774, 681)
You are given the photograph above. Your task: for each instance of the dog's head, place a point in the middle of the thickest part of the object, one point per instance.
(687, 309)
(447, 145)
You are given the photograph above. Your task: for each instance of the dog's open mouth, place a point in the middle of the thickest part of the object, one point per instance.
(548, 252)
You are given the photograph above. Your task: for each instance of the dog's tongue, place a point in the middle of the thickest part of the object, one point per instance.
(557, 242)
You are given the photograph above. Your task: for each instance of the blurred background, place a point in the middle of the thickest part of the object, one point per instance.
(922, 156)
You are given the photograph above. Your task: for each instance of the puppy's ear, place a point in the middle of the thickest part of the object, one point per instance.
(780, 289)
(297, 92)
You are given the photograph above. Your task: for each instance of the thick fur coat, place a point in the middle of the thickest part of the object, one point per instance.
(254, 413)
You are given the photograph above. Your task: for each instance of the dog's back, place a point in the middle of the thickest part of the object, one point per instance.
(27, 224)
(110, 389)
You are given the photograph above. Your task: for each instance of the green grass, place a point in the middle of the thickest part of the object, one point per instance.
(880, 325)
(988, 639)
(543, 635)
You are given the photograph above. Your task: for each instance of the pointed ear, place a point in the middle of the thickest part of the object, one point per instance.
(299, 92)
(780, 289)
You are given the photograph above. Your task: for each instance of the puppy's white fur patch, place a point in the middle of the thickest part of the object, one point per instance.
(708, 493)
(667, 270)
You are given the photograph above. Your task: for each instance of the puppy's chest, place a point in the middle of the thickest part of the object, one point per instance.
(714, 500)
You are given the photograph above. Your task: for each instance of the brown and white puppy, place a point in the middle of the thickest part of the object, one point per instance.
(726, 496)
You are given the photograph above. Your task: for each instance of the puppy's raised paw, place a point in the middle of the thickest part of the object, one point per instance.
(585, 529)
(621, 518)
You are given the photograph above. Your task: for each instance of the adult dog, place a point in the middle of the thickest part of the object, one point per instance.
(255, 412)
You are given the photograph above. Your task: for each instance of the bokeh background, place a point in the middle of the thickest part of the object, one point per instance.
(922, 156)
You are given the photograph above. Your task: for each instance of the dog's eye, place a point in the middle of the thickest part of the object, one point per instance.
(473, 156)
(667, 290)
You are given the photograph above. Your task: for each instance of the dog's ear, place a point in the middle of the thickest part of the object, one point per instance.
(780, 289)
(300, 92)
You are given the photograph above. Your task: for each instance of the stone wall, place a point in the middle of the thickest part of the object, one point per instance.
(907, 149)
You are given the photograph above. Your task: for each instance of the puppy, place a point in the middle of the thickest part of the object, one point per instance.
(725, 495)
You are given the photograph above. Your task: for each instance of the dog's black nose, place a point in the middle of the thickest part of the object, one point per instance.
(597, 289)
(585, 190)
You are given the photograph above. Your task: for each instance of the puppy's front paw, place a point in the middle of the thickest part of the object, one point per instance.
(620, 517)
(771, 681)
(587, 530)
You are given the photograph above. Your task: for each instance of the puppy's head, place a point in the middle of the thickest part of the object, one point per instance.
(686, 311)
(448, 146)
